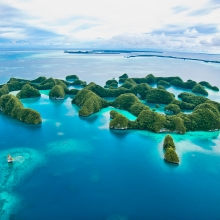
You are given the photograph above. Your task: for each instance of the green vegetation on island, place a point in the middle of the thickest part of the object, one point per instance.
(129, 84)
(149, 79)
(72, 92)
(102, 92)
(28, 91)
(171, 156)
(88, 102)
(78, 82)
(163, 83)
(13, 79)
(123, 77)
(40, 79)
(57, 92)
(161, 87)
(191, 98)
(199, 89)
(189, 84)
(128, 98)
(169, 146)
(129, 102)
(159, 96)
(175, 124)
(167, 79)
(72, 77)
(168, 142)
(208, 85)
(183, 105)
(118, 121)
(10, 105)
(111, 82)
(172, 109)
(4, 90)
(47, 84)
(141, 90)
(204, 116)
(202, 119)
(150, 120)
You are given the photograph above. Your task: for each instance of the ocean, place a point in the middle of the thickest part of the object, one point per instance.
(76, 168)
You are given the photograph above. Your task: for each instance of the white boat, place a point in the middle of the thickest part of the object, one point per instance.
(10, 159)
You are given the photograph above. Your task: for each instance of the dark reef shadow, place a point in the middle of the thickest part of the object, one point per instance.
(119, 133)
(90, 119)
(17, 122)
(31, 100)
(171, 165)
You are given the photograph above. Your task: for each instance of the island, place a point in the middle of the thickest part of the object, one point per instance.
(208, 85)
(57, 92)
(28, 91)
(89, 102)
(171, 156)
(78, 82)
(111, 83)
(159, 96)
(172, 109)
(168, 142)
(118, 121)
(133, 90)
(163, 83)
(123, 77)
(72, 77)
(10, 105)
(198, 88)
(170, 153)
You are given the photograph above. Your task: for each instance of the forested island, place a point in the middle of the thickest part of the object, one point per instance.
(10, 105)
(132, 95)
(170, 153)
(204, 117)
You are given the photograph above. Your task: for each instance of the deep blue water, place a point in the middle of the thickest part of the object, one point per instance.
(76, 168)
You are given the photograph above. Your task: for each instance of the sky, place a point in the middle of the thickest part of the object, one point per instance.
(189, 25)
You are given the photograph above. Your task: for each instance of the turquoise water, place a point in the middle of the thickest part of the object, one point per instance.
(76, 168)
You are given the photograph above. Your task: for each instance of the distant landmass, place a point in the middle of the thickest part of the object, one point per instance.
(109, 51)
(154, 54)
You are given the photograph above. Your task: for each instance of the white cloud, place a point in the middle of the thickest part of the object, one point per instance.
(212, 42)
(216, 41)
(191, 33)
(169, 24)
(12, 33)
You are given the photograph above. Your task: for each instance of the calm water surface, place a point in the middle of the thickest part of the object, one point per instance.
(76, 168)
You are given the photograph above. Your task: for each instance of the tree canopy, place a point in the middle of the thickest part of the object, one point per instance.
(10, 105)
(28, 91)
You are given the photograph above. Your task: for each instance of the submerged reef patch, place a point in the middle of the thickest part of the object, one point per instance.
(9, 204)
(67, 146)
(25, 160)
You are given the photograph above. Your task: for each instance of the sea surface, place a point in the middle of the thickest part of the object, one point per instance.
(71, 167)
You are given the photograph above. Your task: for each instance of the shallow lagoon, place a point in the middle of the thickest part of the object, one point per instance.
(75, 168)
